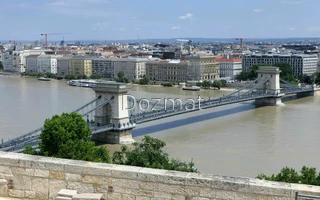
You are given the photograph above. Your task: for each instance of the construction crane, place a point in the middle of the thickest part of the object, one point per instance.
(46, 36)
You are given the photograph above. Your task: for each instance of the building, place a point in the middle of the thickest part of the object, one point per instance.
(81, 65)
(202, 67)
(31, 63)
(47, 63)
(15, 61)
(300, 63)
(167, 71)
(133, 68)
(229, 67)
(63, 66)
(103, 67)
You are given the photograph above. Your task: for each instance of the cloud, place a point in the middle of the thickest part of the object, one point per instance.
(313, 28)
(226, 27)
(122, 29)
(257, 10)
(175, 27)
(293, 2)
(187, 16)
(99, 26)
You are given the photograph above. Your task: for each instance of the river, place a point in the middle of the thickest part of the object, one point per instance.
(233, 140)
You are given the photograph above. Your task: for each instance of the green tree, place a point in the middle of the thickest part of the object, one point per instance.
(50, 75)
(70, 76)
(1, 66)
(149, 153)
(216, 84)
(29, 150)
(223, 83)
(122, 78)
(68, 136)
(83, 76)
(206, 84)
(144, 81)
(95, 76)
(286, 72)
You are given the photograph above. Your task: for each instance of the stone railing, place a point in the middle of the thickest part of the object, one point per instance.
(36, 177)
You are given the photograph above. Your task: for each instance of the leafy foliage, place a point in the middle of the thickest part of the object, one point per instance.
(50, 75)
(122, 78)
(68, 136)
(149, 153)
(95, 76)
(144, 81)
(286, 72)
(307, 176)
(70, 76)
(83, 76)
(29, 150)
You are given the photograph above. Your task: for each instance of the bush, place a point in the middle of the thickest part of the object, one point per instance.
(289, 175)
(166, 84)
(149, 153)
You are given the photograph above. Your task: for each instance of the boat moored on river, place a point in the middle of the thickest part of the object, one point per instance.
(83, 83)
(44, 79)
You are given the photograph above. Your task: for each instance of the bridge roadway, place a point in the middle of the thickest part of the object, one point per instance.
(33, 138)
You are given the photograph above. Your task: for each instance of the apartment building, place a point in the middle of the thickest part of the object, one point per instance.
(300, 63)
(133, 68)
(167, 71)
(15, 61)
(47, 63)
(31, 63)
(203, 67)
(63, 66)
(103, 67)
(81, 65)
(229, 67)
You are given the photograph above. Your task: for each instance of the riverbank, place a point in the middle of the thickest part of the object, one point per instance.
(2, 73)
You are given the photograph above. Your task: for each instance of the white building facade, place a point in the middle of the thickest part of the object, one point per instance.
(15, 61)
(230, 67)
(300, 63)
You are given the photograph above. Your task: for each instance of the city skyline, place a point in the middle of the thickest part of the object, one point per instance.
(126, 20)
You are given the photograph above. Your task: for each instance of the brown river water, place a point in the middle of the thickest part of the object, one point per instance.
(233, 140)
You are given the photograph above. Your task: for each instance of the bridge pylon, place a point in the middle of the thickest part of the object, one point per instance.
(272, 86)
(114, 114)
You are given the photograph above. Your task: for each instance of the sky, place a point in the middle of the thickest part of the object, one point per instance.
(148, 19)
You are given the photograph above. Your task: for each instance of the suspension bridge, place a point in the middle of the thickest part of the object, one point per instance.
(111, 121)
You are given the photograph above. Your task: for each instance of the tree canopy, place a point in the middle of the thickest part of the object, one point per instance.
(286, 72)
(149, 153)
(68, 136)
(122, 78)
(144, 81)
(307, 175)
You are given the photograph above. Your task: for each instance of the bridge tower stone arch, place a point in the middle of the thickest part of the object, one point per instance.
(115, 113)
(272, 86)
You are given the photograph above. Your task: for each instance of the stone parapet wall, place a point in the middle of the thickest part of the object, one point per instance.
(36, 177)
